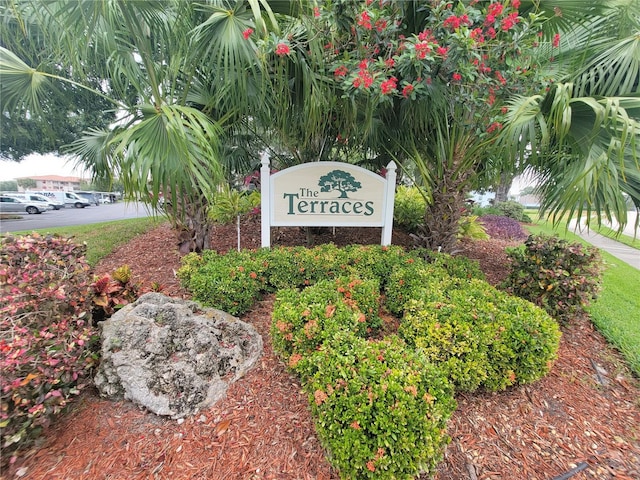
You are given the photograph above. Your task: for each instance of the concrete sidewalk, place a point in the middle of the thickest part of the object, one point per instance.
(619, 250)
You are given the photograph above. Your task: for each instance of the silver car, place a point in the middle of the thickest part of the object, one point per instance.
(17, 205)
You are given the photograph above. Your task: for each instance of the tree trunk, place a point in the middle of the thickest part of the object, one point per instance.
(442, 215)
(502, 189)
(442, 219)
(193, 226)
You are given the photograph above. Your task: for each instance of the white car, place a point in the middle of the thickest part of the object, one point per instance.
(55, 204)
(17, 205)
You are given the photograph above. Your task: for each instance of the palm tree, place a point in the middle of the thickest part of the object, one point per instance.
(174, 73)
(580, 136)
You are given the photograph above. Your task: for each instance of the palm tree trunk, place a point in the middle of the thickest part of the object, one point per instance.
(194, 227)
(442, 219)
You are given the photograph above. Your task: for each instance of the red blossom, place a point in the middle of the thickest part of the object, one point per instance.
(381, 25)
(515, 4)
(456, 77)
(316, 12)
(556, 40)
(364, 20)
(390, 62)
(389, 85)
(341, 71)
(282, 49)
(406, 91)
(477, 35)
(493, 127)
(442, 51)
(495, 9)
(509, 22)
(247, 33)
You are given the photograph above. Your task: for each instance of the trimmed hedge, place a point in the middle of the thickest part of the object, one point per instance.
(381, 406)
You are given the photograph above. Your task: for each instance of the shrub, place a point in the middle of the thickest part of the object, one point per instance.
(230, 203)
(456, 266)
(504, 228)
(409, 208)
(470, 227)
(230, 282)
(374, 261)
(297, 267)
(513, 210)
(47, 348)
(380, 409)
(302, 321)
(561, 277)
(483, 338)
(112, 292)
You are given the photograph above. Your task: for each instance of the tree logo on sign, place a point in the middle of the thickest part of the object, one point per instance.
(340, 181)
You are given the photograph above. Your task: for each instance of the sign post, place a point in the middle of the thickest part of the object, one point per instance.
(320, 194)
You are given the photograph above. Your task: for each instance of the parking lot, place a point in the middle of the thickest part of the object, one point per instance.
(75, 216)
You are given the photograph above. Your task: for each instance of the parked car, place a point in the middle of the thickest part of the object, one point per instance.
(17, 205)
(35, 197)
(89, 197)
(69, 199)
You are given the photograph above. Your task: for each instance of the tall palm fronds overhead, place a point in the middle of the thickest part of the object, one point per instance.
(581, 136)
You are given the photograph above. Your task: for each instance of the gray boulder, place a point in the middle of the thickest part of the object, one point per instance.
(173, 356)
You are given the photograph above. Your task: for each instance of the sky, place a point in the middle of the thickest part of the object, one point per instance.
(39, 165)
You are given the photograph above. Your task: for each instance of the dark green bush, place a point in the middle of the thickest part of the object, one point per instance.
(561, 277)
(483, 338)
(380, 409)
(48, 344)
(513, 210)
(230, 282)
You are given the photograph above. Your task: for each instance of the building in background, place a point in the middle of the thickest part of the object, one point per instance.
(51, 183)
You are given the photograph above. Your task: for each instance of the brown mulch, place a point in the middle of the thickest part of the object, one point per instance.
(584, 415)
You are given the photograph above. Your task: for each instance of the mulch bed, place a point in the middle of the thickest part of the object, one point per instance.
(584, 415)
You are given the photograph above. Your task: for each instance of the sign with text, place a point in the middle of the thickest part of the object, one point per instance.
(327, 194)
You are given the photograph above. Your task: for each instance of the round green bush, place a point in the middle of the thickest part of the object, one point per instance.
(482, 337)
(380, 408)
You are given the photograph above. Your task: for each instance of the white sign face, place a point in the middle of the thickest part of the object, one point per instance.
(327, 194)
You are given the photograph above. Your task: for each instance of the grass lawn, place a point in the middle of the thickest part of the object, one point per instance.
(616, 312)
(103, 238)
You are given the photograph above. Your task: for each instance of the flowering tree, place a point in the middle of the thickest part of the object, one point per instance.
(428, 82)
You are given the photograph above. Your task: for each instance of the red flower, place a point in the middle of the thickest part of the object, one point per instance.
(407, 90)
(390, 62)
(364, 20)
(381, 24)
(556, 40)
(282, 49)
(388, 86)
(495, 9)
(456, 77)
(510, 21)
(247, 33)
(316, 11)
(442, 51)
(494, 126)
(515, 4)
(341, 71)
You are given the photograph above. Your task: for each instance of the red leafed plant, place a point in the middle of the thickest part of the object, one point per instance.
(112, 292)
(47, 339)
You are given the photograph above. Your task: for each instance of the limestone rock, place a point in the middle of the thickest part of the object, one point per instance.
(173, 356)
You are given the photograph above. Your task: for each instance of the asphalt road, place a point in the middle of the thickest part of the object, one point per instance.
(75, 216)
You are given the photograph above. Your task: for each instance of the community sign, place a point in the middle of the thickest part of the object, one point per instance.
(327, 194)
